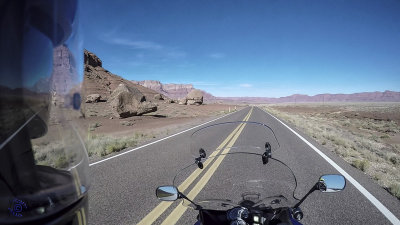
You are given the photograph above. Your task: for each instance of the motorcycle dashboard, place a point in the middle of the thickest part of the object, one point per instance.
(266, 216)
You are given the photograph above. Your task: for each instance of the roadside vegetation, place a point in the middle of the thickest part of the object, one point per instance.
(227, 111)
(53, 154)
(56, 149)
(102, 145)
(366, 135)
(59, 153)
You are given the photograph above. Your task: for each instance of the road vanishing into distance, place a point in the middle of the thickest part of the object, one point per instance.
(123, 186)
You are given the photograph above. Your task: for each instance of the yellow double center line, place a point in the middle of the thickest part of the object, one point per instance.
(81, 216)
(179, 210)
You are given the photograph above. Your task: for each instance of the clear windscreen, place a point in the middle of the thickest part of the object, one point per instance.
(233, 171)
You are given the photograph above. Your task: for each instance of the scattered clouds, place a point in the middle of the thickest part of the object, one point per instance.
(246, 85)
(135, 64)
(216, 55)
(110, 32)
(202, 83)
(149, 49)
(140, 64)
(196, 83)
(136, 44)
(176, 54)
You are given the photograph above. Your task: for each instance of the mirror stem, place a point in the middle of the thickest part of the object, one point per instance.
(180, 195)
(314, 188)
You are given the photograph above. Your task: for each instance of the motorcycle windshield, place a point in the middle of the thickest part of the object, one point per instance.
(234, 172)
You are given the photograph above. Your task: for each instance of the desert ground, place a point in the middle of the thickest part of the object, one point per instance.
(109, 134)
(115, 114)
(366, 135)
(106, 135)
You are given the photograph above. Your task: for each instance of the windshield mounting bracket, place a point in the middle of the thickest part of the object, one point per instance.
(267, 154)
(202, 155)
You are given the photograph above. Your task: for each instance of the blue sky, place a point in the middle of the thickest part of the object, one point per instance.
(250, 48)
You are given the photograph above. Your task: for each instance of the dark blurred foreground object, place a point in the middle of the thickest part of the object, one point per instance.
(43, 161)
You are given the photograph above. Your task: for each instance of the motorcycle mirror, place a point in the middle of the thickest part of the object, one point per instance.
(331, 183)
(167, 193)
(326, 183)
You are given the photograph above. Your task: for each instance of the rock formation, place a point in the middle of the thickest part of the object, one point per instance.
(180, 91)
(106, 94)
(195, 97)
(101, 82)
(158, 97)
(93, 98)
(129, 101)
(91, 59)
(182, 101)
(173, 91)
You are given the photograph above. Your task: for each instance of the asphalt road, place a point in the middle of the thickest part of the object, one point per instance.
(123, 188)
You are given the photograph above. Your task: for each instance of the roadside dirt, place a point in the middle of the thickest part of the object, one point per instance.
(107, 135)
(171, 117)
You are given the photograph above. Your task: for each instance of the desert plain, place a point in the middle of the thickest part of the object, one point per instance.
(366, 135)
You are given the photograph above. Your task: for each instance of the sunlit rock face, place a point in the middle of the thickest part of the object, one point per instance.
(195, 97)
(107, 94)
(173, 91)
(91, 59)
(129, 101)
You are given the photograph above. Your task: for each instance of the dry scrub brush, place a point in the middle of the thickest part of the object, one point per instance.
(360, 142)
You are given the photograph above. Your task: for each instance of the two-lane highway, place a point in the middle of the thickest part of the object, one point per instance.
(123, 187)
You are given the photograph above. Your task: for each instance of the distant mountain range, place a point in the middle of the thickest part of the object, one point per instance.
(177, 91)
(174, 91)
(386, 96)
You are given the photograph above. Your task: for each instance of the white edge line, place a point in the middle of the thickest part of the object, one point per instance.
(162, 139)
(385, 211)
